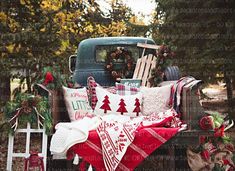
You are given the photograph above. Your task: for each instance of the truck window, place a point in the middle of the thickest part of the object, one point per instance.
(102, 52)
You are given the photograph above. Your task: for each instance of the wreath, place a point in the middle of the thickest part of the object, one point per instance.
(164, 59)
(28, 108)
(115, 65)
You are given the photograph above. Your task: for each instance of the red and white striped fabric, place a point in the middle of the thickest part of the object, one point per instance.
(147, 138)
(91, 85)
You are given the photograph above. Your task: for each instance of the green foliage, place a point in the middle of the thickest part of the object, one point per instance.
(164, 59)
(58, 79)
(52, 79)
(44, 108)
(27, 105)
(35, 34)
(233, 158)
(218, 168)
(202, 33)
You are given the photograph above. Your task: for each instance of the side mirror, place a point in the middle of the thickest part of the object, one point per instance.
(72, 63)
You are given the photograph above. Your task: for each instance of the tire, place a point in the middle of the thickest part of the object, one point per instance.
(172, 73)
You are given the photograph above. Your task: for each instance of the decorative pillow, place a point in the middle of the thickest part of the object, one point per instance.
(109, 103)
(91, 85)
(76, 102)
(155, 99)
(123, 89)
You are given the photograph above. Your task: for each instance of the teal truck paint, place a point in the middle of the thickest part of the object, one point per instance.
(92, 54)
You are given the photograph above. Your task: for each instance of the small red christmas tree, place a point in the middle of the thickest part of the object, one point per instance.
(122, 107)
(137, 108)
(106, 102)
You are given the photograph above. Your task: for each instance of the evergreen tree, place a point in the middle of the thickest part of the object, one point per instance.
(38, 33)
(202, 33)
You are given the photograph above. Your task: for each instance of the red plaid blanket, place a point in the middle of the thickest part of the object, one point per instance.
(146, 141)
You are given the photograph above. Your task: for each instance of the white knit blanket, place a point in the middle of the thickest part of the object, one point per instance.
(69, 133)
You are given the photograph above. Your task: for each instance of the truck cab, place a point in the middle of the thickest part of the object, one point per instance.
(92, 55)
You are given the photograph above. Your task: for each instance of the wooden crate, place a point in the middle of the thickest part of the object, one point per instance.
(191, 108)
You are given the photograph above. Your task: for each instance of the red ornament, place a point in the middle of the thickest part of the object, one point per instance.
(106, 103)
(137, 108)
(122, 108)
(207, 123)
(48, 78)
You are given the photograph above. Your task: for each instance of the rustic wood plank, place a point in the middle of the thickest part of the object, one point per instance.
(142, 67)
(145, 64)
(191, 107)
(149, 46)
(153, 65)
(137, 69)
(196, 106)
(188, 104)
(171, 163)
(147, 70)
(184, 104)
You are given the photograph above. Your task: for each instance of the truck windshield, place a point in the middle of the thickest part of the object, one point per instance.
(117, 52)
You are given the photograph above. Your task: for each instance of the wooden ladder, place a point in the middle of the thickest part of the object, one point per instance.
(28, 132)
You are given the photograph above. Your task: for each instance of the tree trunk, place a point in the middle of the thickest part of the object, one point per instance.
(229, 86)
(28, 81)
(5, 90)
(233, 83)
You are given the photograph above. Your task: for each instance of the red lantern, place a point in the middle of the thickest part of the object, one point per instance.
(34, 161)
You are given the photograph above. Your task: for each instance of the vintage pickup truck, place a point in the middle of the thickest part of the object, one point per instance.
(91, 57)
(90, 61)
